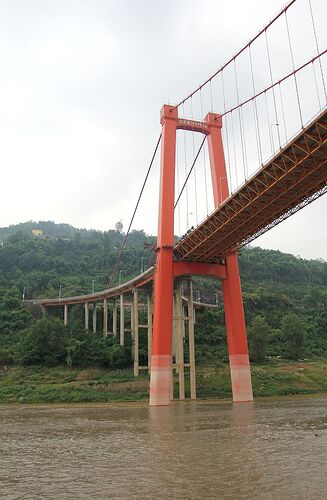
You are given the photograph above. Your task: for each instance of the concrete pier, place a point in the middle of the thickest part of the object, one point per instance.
(114, 318)
(105, 317)
(191, 340)
(94, 318)
(66, 314)
(86, 316)
(135, 330)
(122, 321)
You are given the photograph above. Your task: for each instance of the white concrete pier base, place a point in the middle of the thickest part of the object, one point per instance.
(160, 380)
(241, 377)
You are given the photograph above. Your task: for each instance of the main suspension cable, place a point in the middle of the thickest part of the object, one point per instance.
(190, 171)
(133, 216)
(237, 54)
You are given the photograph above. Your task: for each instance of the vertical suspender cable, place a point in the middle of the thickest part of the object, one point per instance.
(316, 83)
(272, 147)
(204, 161)
(185, 170)
(273, 88)
(240, 119)
(210, 83)
(190, 171)
(255, 109)
(177, 183)
(317, 47)
(227, 136)
(194, 170)
(283, 112)
(292, 59)
(234, 149)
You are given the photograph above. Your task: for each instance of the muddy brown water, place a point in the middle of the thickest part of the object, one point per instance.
(200, 450)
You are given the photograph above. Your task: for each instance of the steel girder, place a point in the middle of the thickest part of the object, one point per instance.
(295, 177)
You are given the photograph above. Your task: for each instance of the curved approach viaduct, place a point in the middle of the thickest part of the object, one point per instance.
(295, 177)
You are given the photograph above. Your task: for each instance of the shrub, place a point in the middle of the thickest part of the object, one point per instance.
(44, 343)
(6, 358)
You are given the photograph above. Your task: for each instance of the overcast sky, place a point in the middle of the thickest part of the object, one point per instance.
(81, 87)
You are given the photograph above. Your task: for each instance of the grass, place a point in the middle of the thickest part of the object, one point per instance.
(38, 384)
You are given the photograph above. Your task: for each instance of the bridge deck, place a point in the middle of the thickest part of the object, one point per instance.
(116, 291)
(293, 178)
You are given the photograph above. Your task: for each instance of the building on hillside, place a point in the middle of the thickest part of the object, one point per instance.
(37, 232)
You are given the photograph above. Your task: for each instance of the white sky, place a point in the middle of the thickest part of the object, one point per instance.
(81, 87)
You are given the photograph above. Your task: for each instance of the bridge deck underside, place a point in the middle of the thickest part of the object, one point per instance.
(293, 178)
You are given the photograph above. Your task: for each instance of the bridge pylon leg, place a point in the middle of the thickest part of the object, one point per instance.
(161, 358)
(150, 311)
(234, 313)
(236, 333)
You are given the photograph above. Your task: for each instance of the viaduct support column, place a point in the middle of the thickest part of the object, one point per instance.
(114, 318)
(105, 317)
(161, 359)
(234, 314)
(94, 317)
(179, 315)
(66, 314)
(191, 340)
(86, 316)
(122, 321)
(135, 306)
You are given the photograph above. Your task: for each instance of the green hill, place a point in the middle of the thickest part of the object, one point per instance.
(275, 286)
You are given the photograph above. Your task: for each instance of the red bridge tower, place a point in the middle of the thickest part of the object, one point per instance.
(167, 268)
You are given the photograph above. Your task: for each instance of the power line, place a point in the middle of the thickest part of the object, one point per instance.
(133, 216)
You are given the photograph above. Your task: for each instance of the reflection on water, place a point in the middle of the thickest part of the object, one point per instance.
(264, 450)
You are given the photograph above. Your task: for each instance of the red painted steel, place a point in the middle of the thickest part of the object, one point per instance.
(166, 268)
(294, 177)
(199, 269)
(161, 358)
(231, 286)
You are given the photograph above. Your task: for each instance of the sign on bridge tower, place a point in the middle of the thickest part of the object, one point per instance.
(167, 268)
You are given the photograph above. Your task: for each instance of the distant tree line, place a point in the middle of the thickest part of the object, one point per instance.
(285, 298)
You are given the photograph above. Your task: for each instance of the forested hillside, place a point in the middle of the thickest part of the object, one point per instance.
(285, 297)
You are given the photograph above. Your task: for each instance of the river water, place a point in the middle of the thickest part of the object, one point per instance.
(191, 450)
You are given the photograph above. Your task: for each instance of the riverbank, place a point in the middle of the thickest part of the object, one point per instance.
(38, 384)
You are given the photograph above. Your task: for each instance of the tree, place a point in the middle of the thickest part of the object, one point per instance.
(258, 337)
(293, 332)
(44, 343)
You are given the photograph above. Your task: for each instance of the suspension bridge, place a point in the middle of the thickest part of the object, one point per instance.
(259, 126)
